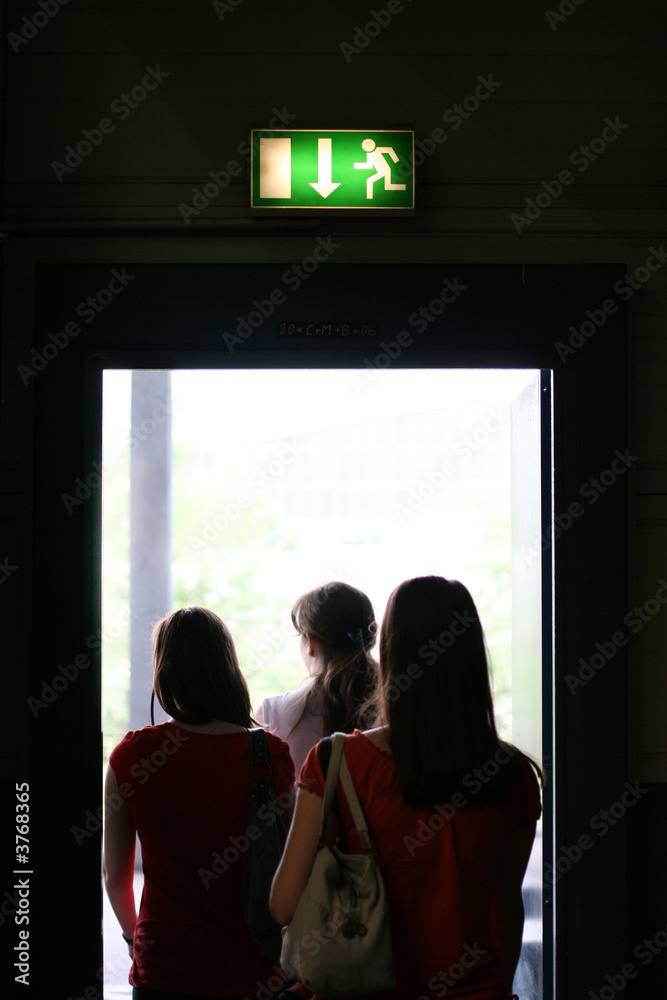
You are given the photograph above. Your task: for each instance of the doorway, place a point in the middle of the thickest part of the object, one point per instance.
(273, 481)
(510, 316)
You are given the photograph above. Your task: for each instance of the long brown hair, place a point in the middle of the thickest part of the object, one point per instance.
(435, 696)
(197, 677)
(342, 620)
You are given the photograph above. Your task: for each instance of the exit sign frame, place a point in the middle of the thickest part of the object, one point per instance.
(347, 171)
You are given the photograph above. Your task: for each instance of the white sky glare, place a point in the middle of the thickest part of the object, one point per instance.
(235, 407)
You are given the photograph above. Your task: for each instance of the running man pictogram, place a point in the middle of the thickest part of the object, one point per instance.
(375, 160)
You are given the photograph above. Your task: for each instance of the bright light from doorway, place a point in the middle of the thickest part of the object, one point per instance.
(283, 479)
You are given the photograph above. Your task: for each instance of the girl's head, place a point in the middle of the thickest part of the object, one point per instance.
(197, 677)
(341, 621)
(339, 617)
(434, 687)
(432, 624)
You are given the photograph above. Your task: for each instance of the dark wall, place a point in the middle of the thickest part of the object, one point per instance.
(554, 77)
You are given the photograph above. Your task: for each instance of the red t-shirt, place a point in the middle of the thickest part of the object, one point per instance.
(440, 869)
(187, 794)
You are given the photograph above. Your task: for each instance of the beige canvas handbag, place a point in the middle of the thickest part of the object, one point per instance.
(339, 940)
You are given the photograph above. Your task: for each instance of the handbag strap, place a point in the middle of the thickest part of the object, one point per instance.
(355, 807)
(260, 755)
(337, 745)
(338, 765)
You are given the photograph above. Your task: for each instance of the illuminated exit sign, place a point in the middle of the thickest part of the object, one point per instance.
(309, 169)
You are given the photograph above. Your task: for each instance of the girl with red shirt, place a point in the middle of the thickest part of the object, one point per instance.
(183, 787)
(451, 809)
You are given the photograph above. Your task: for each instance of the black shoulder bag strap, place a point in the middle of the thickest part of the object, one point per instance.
(264, 849)
(262, 791)
(324, 753)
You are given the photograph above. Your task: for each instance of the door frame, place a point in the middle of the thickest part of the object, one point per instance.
(508, 317)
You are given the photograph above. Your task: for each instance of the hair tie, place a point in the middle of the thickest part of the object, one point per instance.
(357, 637)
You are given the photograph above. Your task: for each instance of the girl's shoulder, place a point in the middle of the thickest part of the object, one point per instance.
(289, 697)
(370, 740)
(285, 707)
(145, 740)
(526, 781)
(277, 745)
(368, 751)
(524, 766)
(144, 734)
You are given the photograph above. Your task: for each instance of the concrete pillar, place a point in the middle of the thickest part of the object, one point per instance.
(150, 530)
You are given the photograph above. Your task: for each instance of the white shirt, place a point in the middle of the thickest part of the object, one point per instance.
(280, 715)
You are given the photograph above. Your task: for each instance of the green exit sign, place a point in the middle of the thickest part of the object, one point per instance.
(310, 169)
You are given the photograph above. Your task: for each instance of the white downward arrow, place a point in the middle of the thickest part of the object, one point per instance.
(324, 184)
